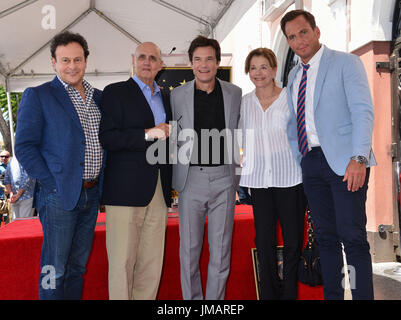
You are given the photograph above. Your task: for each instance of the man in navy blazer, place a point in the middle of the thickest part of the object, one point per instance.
(57, 143)
(330, 131)
(137, 181)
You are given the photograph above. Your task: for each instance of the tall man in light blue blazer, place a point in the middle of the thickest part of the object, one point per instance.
(206, 111)
(330, 132)
(57, 143)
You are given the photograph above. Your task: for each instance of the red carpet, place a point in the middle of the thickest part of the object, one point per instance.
(20, 245)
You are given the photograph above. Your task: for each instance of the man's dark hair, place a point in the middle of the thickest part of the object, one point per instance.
(201, 41)
(67, 37)
(289, 16)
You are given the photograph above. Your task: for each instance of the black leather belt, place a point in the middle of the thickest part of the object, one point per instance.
(89, 183)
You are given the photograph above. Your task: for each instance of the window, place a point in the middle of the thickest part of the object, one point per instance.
(290, 62)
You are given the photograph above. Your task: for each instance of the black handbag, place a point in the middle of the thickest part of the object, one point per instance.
(309, 269)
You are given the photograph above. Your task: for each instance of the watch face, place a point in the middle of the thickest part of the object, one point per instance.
(361, 159)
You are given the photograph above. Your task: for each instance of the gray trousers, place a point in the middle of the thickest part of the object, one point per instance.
(208, 192)
(23, 209)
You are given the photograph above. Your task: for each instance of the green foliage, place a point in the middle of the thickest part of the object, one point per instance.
(15, 99)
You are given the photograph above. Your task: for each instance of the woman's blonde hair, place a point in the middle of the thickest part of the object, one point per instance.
(264, 52)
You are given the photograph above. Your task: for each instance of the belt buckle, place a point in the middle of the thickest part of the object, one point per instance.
(89, 183)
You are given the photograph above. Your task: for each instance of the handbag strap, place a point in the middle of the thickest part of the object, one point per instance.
(311, 235)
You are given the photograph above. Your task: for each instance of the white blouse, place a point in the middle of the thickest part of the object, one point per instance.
(267, 157)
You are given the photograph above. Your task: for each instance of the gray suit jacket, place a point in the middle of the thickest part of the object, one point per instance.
(182, 138)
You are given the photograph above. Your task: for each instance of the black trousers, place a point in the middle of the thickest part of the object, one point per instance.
(288, 206)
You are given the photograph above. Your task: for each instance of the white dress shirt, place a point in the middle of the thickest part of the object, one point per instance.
(267, 157)
(313, 139)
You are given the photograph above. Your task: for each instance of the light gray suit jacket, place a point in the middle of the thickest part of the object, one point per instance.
(343, 110)
(182, 137)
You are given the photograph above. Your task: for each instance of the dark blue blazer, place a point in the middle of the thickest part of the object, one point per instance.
(129, 178)
(50, 141)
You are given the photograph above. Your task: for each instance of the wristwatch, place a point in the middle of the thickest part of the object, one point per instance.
(360, 159)
(146, 136)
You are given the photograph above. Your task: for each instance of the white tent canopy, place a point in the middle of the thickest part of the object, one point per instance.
(113, 29)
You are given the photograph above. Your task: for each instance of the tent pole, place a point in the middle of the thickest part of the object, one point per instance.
(221, 14)
(10, 114)
(10, 118)
(82, 16)
(115, 25)
(183, 12)
(16, 8)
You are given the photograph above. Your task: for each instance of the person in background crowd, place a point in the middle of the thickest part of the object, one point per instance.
(137, 192)
(243, 196)
(274, 176)
(20, 187)
(4, 160)
(6, 212)
(57, 144)
(330, 132)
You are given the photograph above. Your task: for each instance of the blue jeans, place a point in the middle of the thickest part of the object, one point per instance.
(243, 194)
(67, 243)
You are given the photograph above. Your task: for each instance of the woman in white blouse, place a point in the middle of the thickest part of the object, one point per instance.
(274, 176)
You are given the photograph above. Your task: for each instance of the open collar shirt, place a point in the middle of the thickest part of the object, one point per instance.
(89, 116)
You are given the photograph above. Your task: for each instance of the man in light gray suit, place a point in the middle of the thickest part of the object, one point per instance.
(206, 111)
(330, 132)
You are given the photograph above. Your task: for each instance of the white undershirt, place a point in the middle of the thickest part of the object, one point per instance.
(313, 140)
(268, 160)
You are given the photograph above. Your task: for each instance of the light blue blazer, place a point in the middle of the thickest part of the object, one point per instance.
(343, 110)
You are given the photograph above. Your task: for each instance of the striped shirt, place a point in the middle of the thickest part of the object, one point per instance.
(267, 157)
(89, 116)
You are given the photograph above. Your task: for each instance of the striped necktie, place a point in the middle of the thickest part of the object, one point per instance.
(302, 137)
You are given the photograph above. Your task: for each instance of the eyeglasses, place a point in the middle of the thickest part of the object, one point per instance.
(5, 157)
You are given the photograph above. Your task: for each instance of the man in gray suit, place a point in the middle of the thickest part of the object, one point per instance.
(206, 111)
